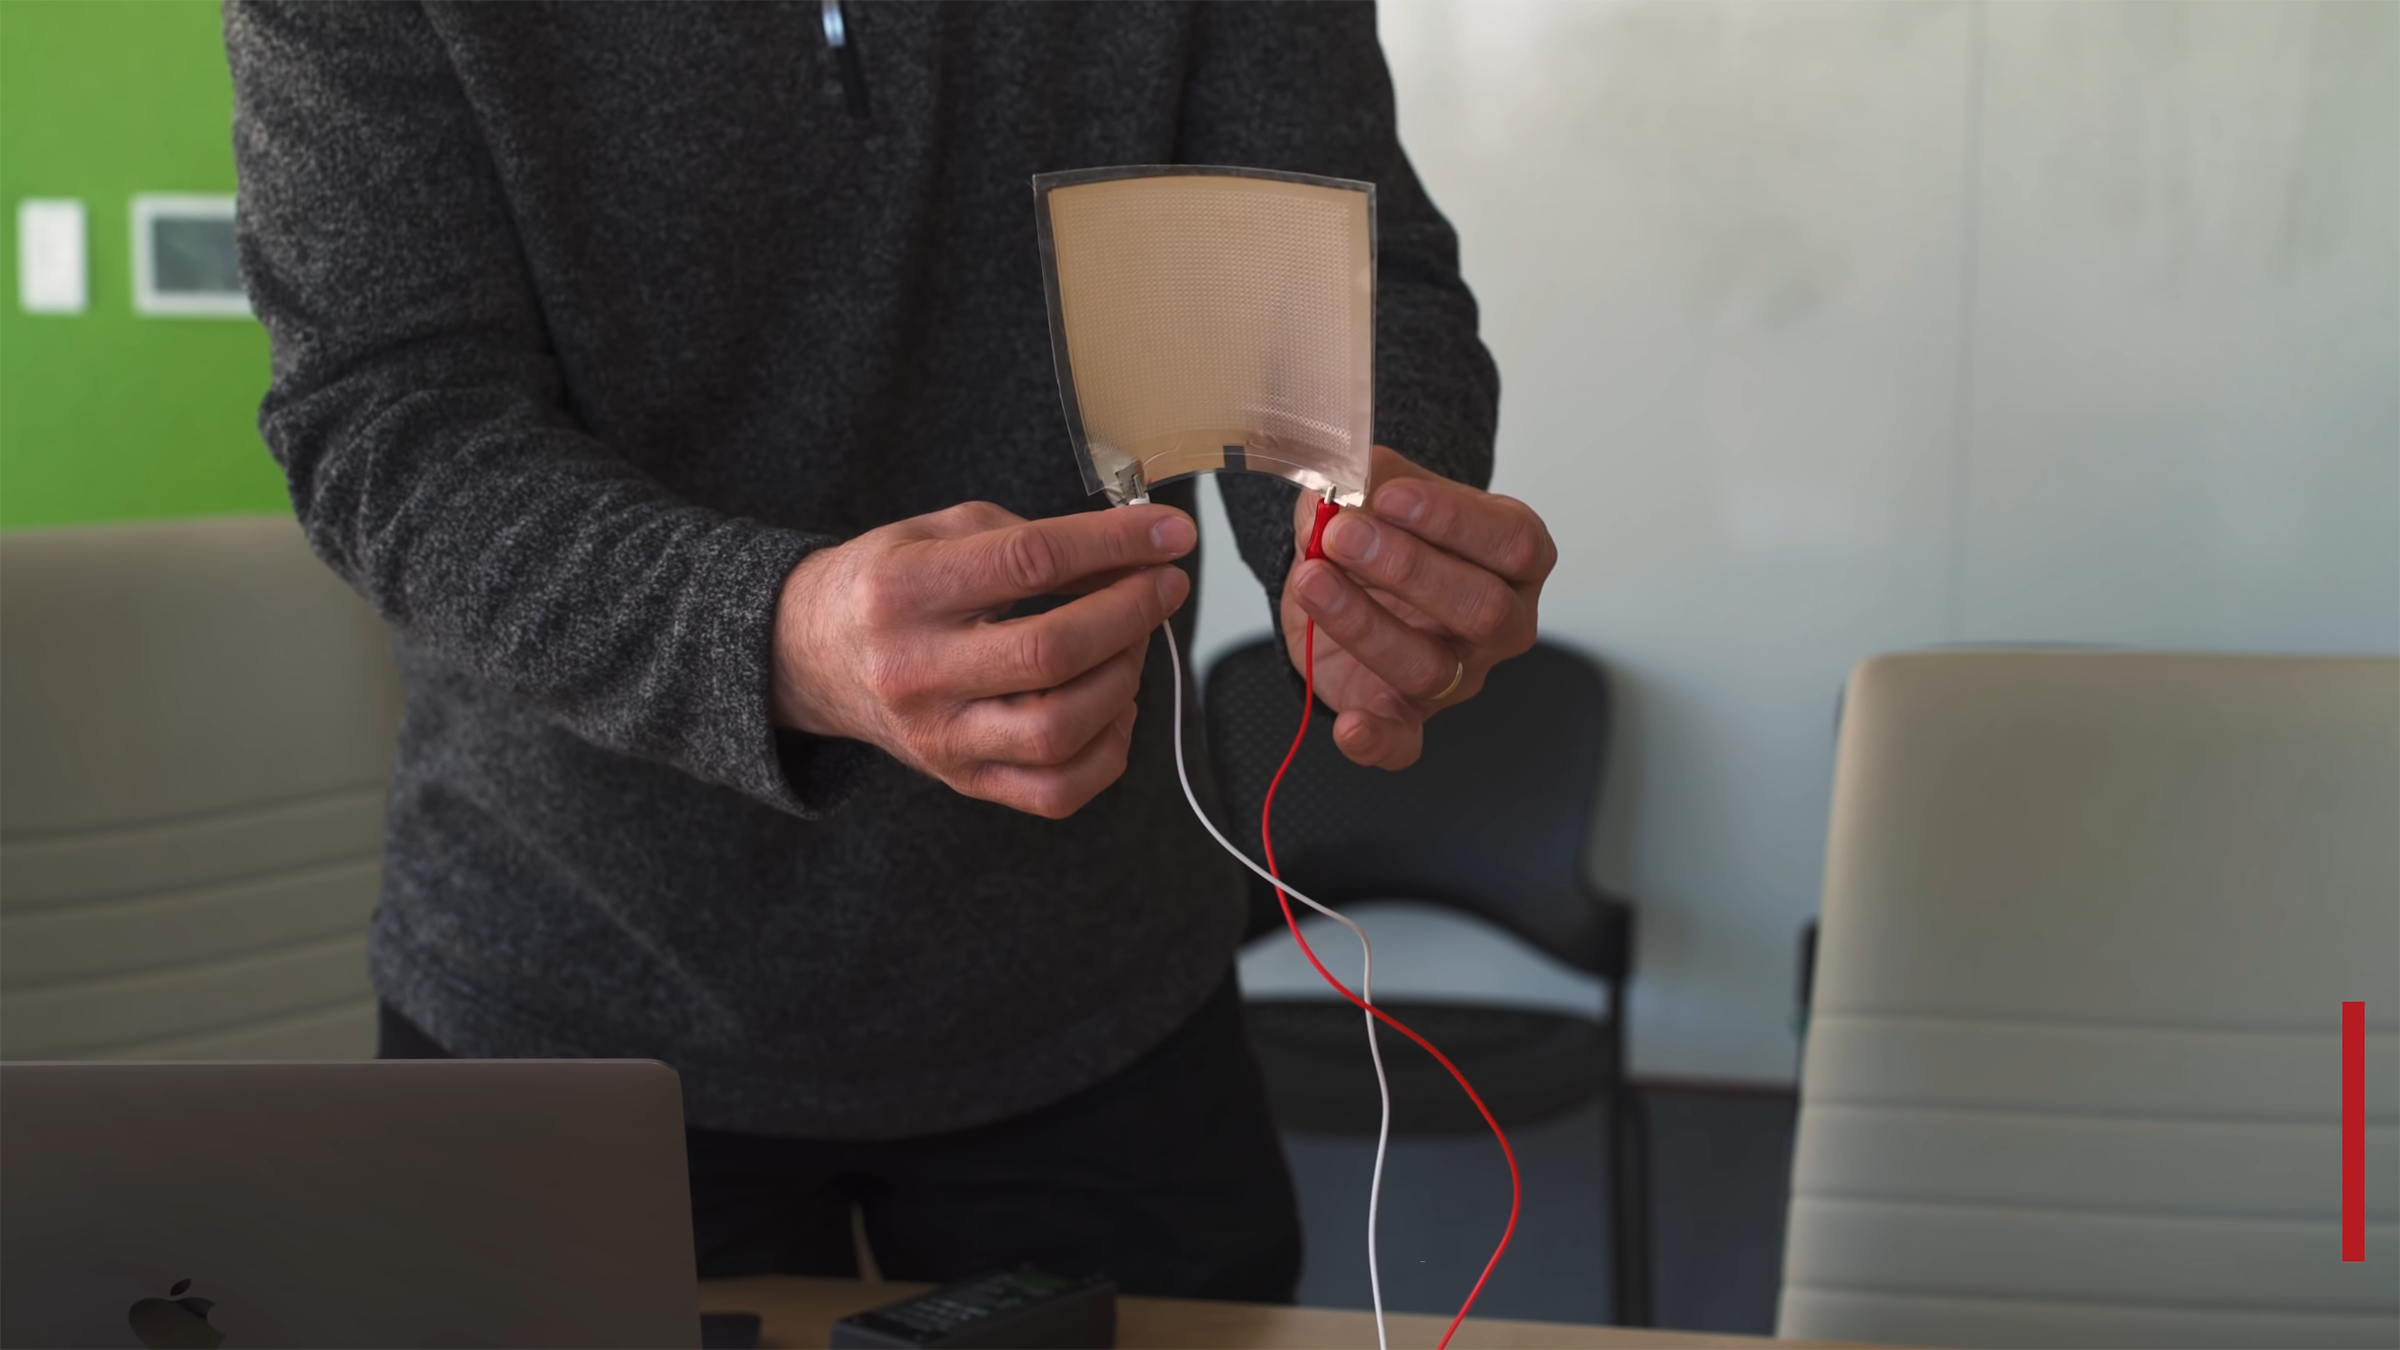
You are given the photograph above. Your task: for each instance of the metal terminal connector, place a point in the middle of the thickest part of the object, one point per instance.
(1129, 486)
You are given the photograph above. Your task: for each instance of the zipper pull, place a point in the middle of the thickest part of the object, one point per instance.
(845, 57)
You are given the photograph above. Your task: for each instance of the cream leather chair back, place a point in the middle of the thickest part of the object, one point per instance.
(196, 725)
(2073, 1067)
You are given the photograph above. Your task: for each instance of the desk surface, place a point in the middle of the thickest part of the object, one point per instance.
(799, 1311)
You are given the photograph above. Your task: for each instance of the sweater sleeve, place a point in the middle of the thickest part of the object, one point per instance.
(1303, 87)
(427, 434)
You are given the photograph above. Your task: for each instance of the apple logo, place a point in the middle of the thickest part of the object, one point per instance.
(174, 1323)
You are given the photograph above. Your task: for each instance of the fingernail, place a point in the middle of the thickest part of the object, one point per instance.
(1171, 583)
(1173, 535)
(1320, 589)
(1401, 502)
(1352, 539)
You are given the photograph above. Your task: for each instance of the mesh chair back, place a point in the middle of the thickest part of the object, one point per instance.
(1492, 820)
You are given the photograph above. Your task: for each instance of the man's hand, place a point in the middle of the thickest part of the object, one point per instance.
(897, 638)
(1416, 599)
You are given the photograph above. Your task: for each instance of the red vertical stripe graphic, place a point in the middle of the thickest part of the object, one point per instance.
(2354, 1131)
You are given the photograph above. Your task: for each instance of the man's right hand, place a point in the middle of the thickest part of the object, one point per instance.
(897, 638)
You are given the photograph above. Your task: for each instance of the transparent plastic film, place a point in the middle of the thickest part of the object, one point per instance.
(1210, 320)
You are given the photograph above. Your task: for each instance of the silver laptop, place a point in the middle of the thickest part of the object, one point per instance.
(384, 1203)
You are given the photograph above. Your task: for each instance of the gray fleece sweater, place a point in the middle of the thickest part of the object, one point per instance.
(589, 322)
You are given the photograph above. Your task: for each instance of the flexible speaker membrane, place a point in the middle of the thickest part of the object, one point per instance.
(1212, 319)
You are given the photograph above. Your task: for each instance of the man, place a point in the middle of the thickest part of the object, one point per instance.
(684, 401)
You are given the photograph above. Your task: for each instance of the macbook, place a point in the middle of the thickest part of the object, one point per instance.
(380, 1203)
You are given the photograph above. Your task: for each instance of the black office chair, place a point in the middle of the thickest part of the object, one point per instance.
(1492, 821)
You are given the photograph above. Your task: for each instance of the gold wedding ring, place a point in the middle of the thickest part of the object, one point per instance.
(1455, 681)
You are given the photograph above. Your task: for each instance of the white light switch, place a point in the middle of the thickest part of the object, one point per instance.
(50, 256)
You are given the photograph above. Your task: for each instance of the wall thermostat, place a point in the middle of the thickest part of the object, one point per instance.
(183, 258)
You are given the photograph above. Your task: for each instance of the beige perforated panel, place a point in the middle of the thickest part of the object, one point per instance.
(1214, 321)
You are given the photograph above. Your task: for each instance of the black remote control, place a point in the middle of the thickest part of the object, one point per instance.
(1021, 1309)
(729, 1331)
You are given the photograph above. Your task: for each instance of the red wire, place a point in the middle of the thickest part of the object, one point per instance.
(1326, 510)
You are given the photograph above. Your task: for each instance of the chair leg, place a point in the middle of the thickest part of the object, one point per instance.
(1629, 1174)
(1628, 1178)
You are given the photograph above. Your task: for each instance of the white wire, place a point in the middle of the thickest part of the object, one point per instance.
(1366, 983)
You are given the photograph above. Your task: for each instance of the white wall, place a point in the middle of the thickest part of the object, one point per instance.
(1830, 328)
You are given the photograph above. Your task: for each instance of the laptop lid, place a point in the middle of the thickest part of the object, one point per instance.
(375, 1203)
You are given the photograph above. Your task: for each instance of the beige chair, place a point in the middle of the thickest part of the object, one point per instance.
(196, 725)
(2072, 1074)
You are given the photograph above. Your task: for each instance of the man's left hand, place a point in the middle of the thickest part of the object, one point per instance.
(1416, 599)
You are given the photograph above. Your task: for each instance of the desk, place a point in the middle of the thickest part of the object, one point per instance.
(797, 1312)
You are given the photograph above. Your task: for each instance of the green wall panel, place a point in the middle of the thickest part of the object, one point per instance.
(107, 415)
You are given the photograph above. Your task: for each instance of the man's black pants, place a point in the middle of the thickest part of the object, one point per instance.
(1168, 1176)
